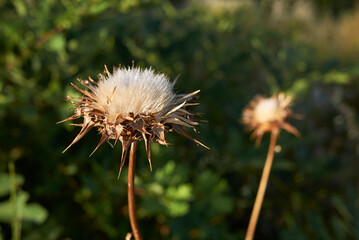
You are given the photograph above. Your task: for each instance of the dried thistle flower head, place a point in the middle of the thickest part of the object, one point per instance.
(268, 115)
(132, 104)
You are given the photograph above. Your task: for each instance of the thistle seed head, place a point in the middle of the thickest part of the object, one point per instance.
(132, 104)
(268, 115)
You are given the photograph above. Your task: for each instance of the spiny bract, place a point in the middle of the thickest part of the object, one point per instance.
(132, 104)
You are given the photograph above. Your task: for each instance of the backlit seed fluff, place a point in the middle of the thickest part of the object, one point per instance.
(132, 104)
(268, 115)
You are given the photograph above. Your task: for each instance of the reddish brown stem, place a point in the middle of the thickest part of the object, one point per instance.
(262, 187)
(131, 192)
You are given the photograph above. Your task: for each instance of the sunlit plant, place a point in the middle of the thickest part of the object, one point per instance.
(260, 116)
(130, 105)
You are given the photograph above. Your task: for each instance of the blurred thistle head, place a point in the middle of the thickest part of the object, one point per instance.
(268, 115)
(132, 104)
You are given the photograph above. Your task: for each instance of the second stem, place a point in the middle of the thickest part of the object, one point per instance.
(262, 186)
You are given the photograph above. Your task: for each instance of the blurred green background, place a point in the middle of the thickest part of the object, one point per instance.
(231, 50)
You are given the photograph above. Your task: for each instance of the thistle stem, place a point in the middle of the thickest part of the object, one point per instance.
(262, 186)
(131, 192)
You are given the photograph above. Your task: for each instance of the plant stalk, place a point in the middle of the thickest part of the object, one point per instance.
(262, 187)
(15, 224)
(131, 192)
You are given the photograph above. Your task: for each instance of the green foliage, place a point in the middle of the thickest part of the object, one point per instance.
(167, 193)
(16, 207)
(5, 185)
(31, 212)
(192, 193)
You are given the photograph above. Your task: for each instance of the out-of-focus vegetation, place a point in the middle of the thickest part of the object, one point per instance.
(231, 51)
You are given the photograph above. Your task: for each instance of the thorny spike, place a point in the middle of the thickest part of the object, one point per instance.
(184, 111)
(76, 124)
(290, 129)
(104, 137)
(87, 84)
(180, 130)
(175, 80)
(177, 121)
(125, 145)
(91, 80)
(148, 149)
(82, 91)
(191, 104)
(107, 72)
(82, 133)
(114, 67)
(175, 109)
(188, 96)
(75, 116)
(186, 120)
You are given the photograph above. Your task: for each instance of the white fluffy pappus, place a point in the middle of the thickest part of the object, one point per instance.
(266, 110)
(133, 90)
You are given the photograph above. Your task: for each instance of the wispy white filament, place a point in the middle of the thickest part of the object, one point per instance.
(134, 90)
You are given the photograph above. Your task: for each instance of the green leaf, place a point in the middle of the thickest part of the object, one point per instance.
(32, 212)
(300, 86)
(20, 7)
(176, 208)
(155, 188)
(336, 77)
(182, 192)
(5, 184)
(7, 208)
(98, 8)
(57, 43)
(164, 174)
(212, 191)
